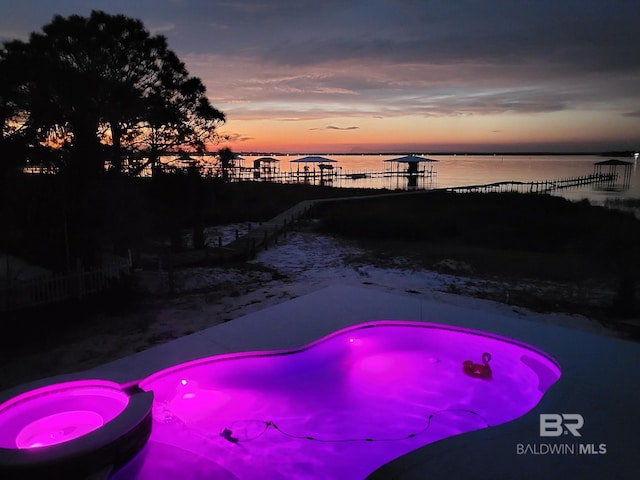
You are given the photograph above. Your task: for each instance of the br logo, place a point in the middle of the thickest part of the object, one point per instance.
(554, 425)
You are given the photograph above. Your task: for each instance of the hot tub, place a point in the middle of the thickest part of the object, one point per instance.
(72, 429)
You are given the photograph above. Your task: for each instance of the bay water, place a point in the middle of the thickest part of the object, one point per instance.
(356, 171)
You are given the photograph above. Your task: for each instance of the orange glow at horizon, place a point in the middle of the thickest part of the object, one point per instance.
(400, 133)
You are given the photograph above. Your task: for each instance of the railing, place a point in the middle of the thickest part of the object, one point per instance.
(545, 186)
(15, 295)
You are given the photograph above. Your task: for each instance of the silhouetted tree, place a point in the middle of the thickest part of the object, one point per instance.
(185, 118)
(99, 86)
(226, 157)
(106, 79)
(11, 116)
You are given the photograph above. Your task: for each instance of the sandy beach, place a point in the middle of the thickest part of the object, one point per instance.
(302, 263)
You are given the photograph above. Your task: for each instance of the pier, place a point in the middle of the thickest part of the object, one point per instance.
(606, 180)
(246, 244)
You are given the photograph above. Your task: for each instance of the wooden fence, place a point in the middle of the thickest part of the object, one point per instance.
(15, 295)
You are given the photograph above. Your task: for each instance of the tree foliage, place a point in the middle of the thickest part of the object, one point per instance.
(226, 157)
(85, 93)
(106, 88)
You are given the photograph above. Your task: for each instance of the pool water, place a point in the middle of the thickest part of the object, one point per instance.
(338, 408)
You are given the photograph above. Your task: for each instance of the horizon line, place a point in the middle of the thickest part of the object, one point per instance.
(613, 153)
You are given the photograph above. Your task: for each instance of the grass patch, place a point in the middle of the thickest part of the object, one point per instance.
(507, 235)
(522, 226)
(484, 260)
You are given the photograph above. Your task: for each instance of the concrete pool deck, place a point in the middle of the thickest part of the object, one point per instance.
(600, 381)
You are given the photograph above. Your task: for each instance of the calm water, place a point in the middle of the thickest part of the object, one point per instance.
(462, 170)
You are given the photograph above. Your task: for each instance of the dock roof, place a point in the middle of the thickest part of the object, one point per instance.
(314, 159)
(411, 159)
(613, 161)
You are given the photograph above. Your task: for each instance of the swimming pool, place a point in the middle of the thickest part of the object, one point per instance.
(339, 407)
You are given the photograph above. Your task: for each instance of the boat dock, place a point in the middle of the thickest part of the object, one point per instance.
(334, 176)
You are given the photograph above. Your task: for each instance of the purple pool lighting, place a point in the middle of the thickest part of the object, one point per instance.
(338, 408)
(76, 426)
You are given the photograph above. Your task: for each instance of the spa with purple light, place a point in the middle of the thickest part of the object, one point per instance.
(339, 407)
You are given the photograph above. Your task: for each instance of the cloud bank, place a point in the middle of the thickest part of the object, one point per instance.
(293, 60)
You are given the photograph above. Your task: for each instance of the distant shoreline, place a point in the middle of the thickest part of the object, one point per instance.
(626, 153)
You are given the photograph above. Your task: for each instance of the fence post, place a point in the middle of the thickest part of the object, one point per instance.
(7, 295)
(79, 279)
(170, 273)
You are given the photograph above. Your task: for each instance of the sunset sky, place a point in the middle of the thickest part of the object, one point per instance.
(364, 76)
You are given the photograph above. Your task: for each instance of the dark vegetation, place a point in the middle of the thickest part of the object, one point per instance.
(87, 92)
(511, 222)
(513, 237)
(40, 218)
(146, 215)
(94, 101)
